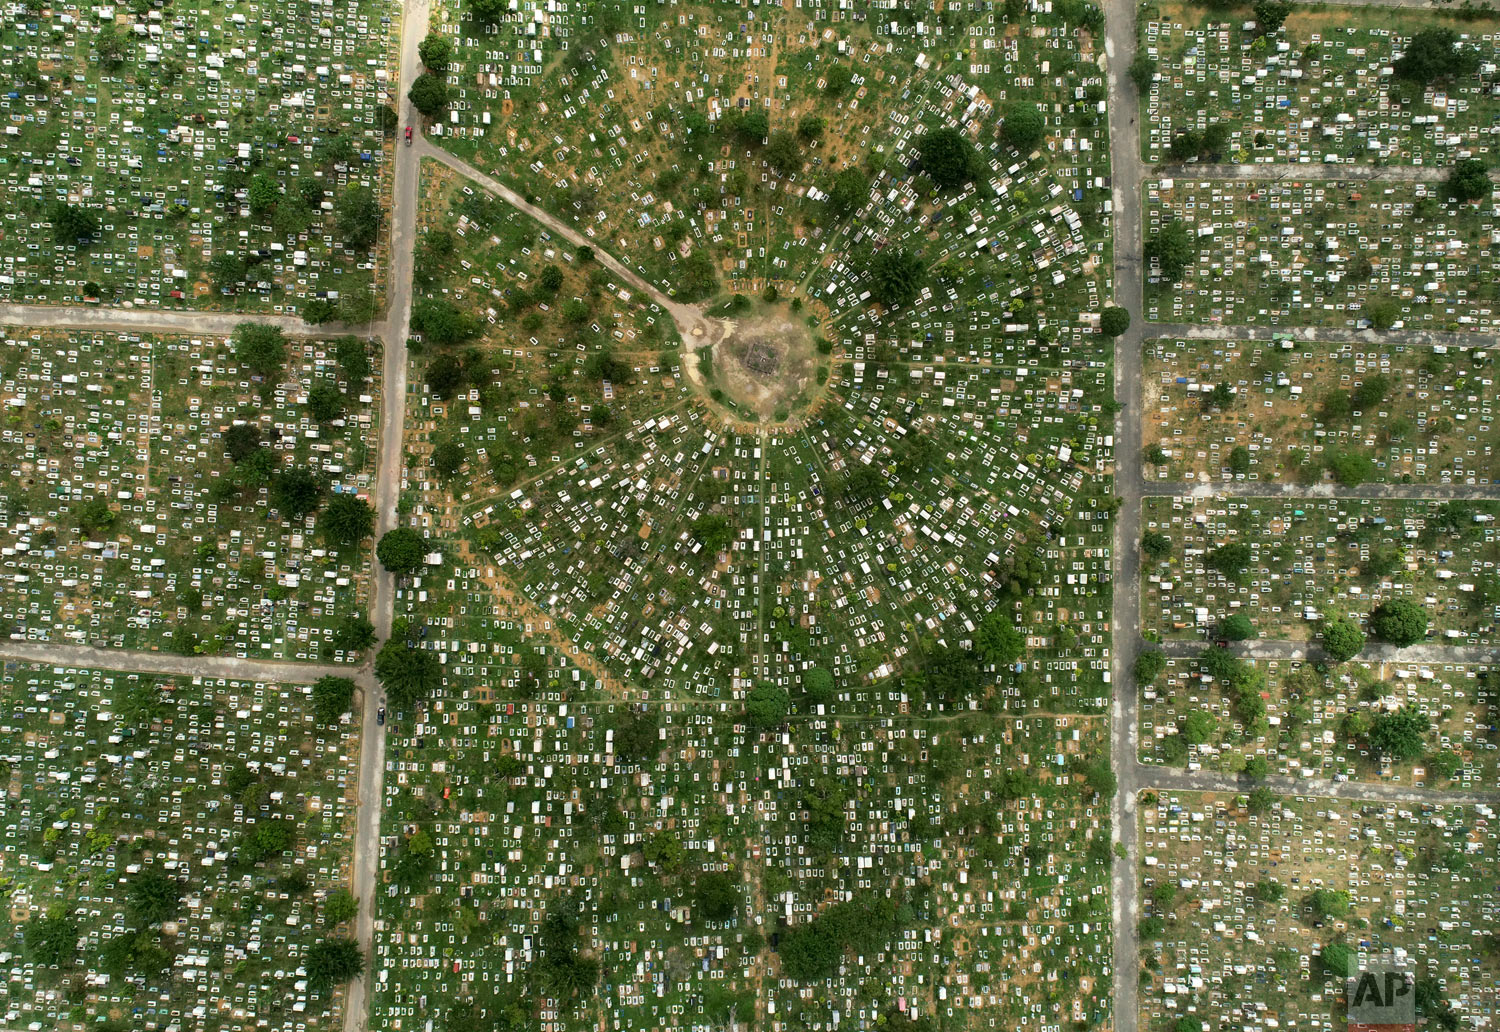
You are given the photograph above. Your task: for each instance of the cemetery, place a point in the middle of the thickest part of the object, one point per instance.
(175, 851)
(1257, 906)
(229, 157)
(1325, 85)
(1324, 720)
(723, 146)
(196, 494)
(1279, 410)
(1286, 565)
(1320, 253)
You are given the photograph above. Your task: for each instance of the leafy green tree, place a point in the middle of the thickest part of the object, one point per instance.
(296, 493)
(998, 640)
(1156, 544)
(1230, 560)
(1401, 735)
(1435, 54)
(1350, 468)
(111, 47)
(340, 906)
(445, 375)
(1239, 459)
(153, 897)
(783, 153)
(897, 276)
(408, 675)
(440, 322)
(1149, 665)
(332, 697)
(1236, 627)
(1261, 799)
(1329, 902)
(332, 961)
(52, 941)
(428, 94)
(401, 550)
(1198, 727)
(716, 896)
(1269, 890)
(766, 706)
(638, 737)
(260, 349)
(1342, 638)
(1024, 126)
(837, 79)
(947, 157)
(94, 517)
(1256, 768)
(1270, 15)
(1340, 959)
(353, 633)
(1114, 321)
(263, 193)
(1142, 70)
(817, 686)
(1383, 313)
(664, 851)
(1399, 622)
(325, 402)
(435, 51)
(265, 839)
(1174, 248)
(1469, 180)
(714, 532)
(357, 216)
(848, 192)
(810, 127)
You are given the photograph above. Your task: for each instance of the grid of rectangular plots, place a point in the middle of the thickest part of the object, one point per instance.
(1326, 253)
(1308, 558)
(138, 423)
(503, 815)
(213, 135)
(1321, 89)
(607, 546)
(1235, 891)
(1317, 720)
(1418, 412)
(114, 775)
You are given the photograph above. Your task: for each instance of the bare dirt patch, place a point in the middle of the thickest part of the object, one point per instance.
(766, 365)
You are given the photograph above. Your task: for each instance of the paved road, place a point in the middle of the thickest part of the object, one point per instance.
(1261, 489)
(1432, 653)
(151, 320)
(171, 663)
(390, 475)
(1128, 173)
(1174, 779)
(1321, 334)
(1299, 172)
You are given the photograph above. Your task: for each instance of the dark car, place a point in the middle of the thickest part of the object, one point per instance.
(380, 716)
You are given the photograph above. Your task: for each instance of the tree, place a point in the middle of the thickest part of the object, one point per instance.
(52, 941)
(1142, 70)
(445, 375)
(850, 190)
(1222, 396)
(1371, 392)
(487, 11)
(94, 517)
(357, 217)
(263, 193)
(428, 94)
(1198, 727)
(325, 402)
(1173, 247)
(637, 737)
(1156, 544)
(1114, 321)
(260, 349)
(837, 80)
(1149, 664)
(332, 697)
(1024, 127)
(1256, 768)
(1435, 54)
(1239, 459)
(408, 675)
(296, 493)
(441, 323)
(340, 906)
(947, 157)
(1328, 902)
(713, 531)
(400, 550)
(153, 897)
(448, 458)
(227, 269)
(1401, 735)
(997, 639)
(817, 686)
(1383, 313)
(783, 153)
(1340, 959)
(897, 275)
(766, 706)
(1269, 890)
(1469, 180)
(716, 897)
(1271, 14)
(1399, 622)
(435, 50)
(1237, 628)
(111, 47)
(1342, 638)
(332, 962)
(810, 127)
(1261, 799)
(663, 851)
(386, 116)
(353, 633)
(1350, 468)
(1229, 560)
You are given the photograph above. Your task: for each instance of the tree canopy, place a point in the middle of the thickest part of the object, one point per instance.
(1401, 735)
(400, 550)
(1435, 54)
(408, 675)
(332, 961)
(72, 225)
(428, 94)
(435, 51)
(1399, 622)
(897, 276)
(998, 640)
(260, 349)
(1024, 127)
(766, 706)
(332, 697)
(947, 157)
(346, 521)
(1173, 247)
(1342, 638)
(1114, 321)
(1469, 180)
(153, 897)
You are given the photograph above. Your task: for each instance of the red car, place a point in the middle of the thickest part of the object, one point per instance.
(408, 136)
